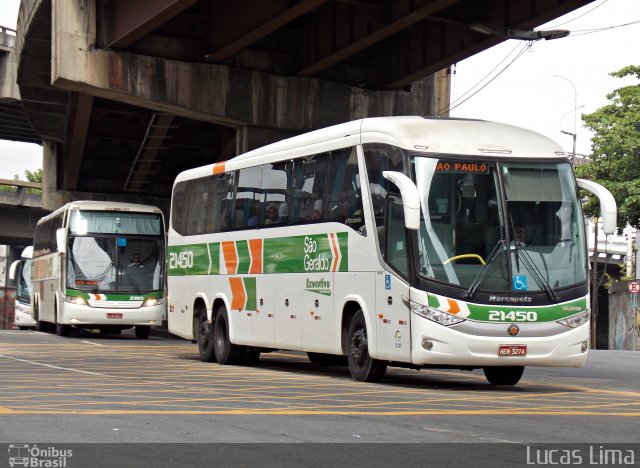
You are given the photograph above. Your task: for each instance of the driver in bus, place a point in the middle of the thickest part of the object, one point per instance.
(136, 262)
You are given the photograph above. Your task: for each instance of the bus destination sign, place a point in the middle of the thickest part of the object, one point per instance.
(462, 167)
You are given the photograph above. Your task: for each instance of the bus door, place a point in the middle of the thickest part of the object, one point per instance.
(392, 315)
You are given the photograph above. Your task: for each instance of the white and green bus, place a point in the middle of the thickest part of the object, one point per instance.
(402, 241)
(20, 271)
(99, 265)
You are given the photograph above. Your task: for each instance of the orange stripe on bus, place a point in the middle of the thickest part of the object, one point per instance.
(255, 247)
(230, 257)
(334, 249)
(219, 168)
(454, 308)
(238, 296)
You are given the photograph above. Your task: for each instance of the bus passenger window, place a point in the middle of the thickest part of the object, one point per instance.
(344, 197)
(307, 189)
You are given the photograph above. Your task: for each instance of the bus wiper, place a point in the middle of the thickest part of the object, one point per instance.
(484, 270)
(535, 271)
(102, 276)
(131, 280)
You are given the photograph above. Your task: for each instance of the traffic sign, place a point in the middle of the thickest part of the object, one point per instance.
(634, 287)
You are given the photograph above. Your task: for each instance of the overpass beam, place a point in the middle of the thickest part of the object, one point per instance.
(210, 92)
(131, 20)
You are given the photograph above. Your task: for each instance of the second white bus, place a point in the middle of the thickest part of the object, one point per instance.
(99, 265)
(21, 272)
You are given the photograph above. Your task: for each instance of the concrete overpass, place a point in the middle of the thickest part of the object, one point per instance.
(124, 95)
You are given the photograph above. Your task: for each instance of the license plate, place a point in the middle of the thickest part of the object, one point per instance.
(512, 350)
(114, 316)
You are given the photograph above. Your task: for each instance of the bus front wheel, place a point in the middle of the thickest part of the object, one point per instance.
(142, 332)
(204, 338)
(225, 351)
(361, 365)
(503, 375)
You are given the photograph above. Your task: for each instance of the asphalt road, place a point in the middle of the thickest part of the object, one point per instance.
(108, 393)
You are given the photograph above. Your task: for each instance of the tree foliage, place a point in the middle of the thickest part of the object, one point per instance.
(31, 176)
(615, 149)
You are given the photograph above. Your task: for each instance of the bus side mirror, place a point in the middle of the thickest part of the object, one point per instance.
(12, 269)
(608, 207)
(410, 198)
(61, 240)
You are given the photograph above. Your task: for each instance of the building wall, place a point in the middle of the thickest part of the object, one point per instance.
(7, 290)
(624, 318)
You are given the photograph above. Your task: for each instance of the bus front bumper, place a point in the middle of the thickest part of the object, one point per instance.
(23, 317)
(83, 315)
(439, 345)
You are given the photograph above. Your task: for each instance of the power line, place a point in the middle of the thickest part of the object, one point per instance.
(449, 108)
(583, 32)
(577, 17)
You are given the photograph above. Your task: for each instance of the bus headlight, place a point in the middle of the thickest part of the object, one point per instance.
(437, 316)
(576, 320)
(75, 300)
(154, 301)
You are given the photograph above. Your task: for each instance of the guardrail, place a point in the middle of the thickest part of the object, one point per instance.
(19, 196)
(7, 38)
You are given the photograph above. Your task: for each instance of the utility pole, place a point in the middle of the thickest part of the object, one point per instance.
(594, 284)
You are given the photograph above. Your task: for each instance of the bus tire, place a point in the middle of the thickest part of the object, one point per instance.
(225, 351)
(361, 365)
(61, 330)
(142, 332)
(503, 375)
(204, 338)
(40, 325)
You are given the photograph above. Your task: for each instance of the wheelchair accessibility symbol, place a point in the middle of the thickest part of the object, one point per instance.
(519, 283)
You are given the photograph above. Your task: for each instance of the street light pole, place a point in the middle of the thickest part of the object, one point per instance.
(575, 114)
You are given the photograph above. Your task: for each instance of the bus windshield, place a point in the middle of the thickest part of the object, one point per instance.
(23, 285)
(115, 252)
(499, 226)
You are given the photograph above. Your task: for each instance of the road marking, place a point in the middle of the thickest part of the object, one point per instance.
(53, 367)
(91, 342)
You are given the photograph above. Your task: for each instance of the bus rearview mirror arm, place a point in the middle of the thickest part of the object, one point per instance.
(410, 198)
(608, 207)
(61, 240)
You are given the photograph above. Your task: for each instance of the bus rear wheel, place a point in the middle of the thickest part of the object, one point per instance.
(204, 338)
(225, 351)
(361, 365)
(40, 325)
(503, 375)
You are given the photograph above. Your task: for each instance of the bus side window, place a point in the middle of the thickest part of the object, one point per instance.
(344, 197)
(307, 189)
(396, 241)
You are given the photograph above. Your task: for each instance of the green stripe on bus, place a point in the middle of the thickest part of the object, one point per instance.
(214, 253)
(298, 254)
(544, 313)
(244, 259)
(190, 259)
(250, 289)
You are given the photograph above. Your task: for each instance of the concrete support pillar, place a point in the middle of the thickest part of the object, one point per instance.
(52, 199)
